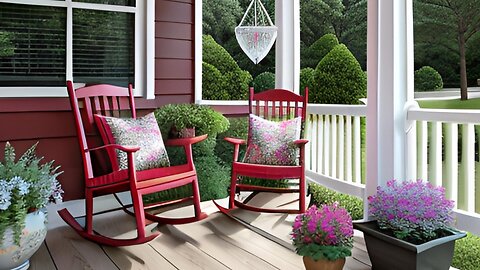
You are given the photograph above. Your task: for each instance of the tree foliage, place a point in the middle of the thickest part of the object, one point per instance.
(220, 17)
(450, 24)
(316, 17)
(233, 80)
(340, 78)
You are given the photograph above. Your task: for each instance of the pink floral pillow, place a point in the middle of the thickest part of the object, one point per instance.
(141, 132)
(271, 143)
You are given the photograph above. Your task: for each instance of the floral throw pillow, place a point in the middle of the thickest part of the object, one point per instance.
(271, 143)
(141, 132)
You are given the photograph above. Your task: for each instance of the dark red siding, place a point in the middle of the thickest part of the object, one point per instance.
(24, 121)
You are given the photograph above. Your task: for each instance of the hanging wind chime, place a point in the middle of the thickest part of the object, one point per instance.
(256, 32)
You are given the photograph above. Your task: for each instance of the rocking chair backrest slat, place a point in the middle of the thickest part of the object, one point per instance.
(101, 99)
(290, 105)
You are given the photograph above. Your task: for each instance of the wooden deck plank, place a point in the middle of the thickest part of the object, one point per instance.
(68, 249)
(41, 260)
(199, 235)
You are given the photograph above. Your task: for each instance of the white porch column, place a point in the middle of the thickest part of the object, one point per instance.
(287, 47)
(390, 71)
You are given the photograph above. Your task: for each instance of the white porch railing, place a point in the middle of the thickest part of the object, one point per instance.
(448, 153)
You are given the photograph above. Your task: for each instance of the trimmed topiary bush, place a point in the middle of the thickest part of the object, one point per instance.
(339, 78)
(467, 250)
(322, 195)
(264, 81)
(307, 79)
(233, 81)
(319, 49)
(427, 79)
(213, 83)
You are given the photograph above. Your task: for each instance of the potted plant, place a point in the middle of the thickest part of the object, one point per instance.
(26, 186)
(412, 227)
(323, 236)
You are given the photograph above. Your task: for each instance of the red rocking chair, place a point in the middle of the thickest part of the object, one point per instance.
(107, 100)
(275, 104)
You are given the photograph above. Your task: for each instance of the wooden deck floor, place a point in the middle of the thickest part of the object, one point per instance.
(217, 242)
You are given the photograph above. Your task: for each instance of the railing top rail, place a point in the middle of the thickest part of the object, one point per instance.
(444, 115)
(337, 109)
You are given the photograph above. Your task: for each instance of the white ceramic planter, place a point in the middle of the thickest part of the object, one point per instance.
(17, 257)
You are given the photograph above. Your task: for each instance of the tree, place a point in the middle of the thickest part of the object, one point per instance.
(316, 17)
(220, 17)
(445, 21)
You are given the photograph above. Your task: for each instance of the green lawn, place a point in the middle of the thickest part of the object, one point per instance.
(473, 103)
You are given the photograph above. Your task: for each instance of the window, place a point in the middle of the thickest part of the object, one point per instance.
(45, 42)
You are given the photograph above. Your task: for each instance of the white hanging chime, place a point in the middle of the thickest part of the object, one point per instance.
(256, 32)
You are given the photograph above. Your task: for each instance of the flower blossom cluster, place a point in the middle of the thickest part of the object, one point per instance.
(413, 211)
(329, 225)
(15, 184)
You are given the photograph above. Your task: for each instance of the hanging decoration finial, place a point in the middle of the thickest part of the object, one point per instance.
(256, 32)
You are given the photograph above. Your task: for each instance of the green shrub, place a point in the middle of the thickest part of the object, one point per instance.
(307, 79)
(234, 81)
(427, 79)
(203, 118)
(339, 78)
(467, 250)
(264, 81)
(213, 83)
(213, 178)
(238, 129)
(322, 195)
(319, 49)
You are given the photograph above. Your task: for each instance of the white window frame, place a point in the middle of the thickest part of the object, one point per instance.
(144, 47)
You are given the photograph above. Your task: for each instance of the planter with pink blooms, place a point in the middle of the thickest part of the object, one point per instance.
(323, 236)
(413, 227)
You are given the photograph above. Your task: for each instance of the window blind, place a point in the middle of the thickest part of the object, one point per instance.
(32, 45)
(103, 46)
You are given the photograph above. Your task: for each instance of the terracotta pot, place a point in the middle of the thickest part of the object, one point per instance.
(323, 264)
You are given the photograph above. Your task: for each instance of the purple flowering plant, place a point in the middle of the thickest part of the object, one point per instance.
(323, 233)
(25, 186)
(415, 211)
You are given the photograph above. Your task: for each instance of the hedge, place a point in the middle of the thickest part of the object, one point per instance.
(427, 79)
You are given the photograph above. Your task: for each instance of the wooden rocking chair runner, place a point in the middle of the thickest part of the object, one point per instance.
(276, 104)
(108, 100)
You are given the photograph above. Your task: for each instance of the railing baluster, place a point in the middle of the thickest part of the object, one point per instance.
(341, 148)
(326, 146)
(348, 149)
(308, 136)
(357, 154)
(313, 142)
(467, 184)
(422, 163)
(334, 147)
(435, 155)
(320, 153)
(451, 161)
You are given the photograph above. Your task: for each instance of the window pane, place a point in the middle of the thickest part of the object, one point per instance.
(103, 47)
(32, 45)
(130, 3)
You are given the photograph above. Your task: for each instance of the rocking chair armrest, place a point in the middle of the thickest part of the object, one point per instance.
(235, 140)
(126, 149)
(185, 141)
(301, 142)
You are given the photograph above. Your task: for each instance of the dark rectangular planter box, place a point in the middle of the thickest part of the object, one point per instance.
(389, 253)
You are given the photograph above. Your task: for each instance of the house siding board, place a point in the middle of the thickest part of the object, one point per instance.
(25, 121)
